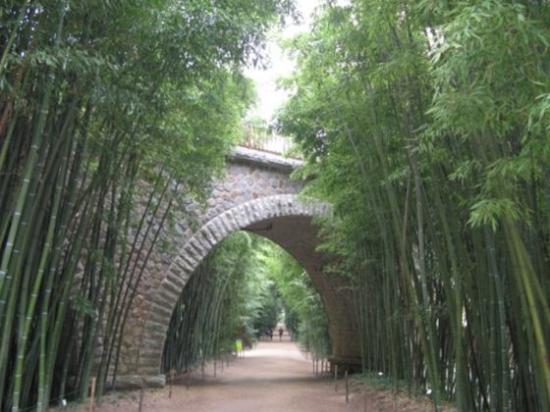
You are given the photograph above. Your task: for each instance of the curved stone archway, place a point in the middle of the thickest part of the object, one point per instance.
(282, 218)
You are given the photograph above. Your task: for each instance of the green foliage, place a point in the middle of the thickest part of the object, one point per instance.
(305, 316)
(110, 113)
(426, 126)
(490, 211)
(265, 309)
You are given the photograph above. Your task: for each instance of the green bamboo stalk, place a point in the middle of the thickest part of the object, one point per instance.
(46, 250)
(528, 283)
(49, 344)
(135, 286)
(22, 198)
(12, 37)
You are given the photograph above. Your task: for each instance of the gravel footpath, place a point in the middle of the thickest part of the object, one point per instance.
(272, 377)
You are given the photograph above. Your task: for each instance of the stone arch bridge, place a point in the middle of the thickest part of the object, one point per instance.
(256, 195)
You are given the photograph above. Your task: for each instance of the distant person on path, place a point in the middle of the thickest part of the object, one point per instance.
(270, 333)
(280, 334)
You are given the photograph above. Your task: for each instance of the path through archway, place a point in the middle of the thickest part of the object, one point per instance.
(285, 220)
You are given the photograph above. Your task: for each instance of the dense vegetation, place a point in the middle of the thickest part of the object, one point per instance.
(218, 305)
(426, 125)
(304, 313)
(250, 283)
(110, 113)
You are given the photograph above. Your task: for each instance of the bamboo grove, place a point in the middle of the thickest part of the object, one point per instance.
(110, 112)
(208, 318)
(305, 315)
(426, 125)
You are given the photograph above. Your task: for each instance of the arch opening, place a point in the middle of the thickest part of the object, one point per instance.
(283, 219)
(247, 289)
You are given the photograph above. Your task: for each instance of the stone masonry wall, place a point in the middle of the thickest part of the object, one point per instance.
(256, 188)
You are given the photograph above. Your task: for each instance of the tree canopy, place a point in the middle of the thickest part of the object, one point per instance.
(110, 113)
(426, 126)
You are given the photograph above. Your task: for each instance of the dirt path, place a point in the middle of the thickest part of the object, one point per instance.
(274, 376)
